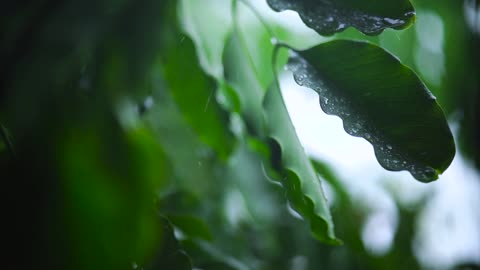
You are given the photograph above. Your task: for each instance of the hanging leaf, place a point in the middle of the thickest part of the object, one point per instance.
(208, 23)
(193, 90)
(301, 183)
(300, 179)
(328, 17)
(380, 100)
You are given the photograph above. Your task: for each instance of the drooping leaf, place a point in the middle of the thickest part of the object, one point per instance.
(248, 69)
(194, 91)
(380, 100)
(300, 180)
(208, 24)
(328, 17)
(242, 72)
(241, 77)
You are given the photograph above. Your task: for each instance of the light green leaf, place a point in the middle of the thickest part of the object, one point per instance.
(241, 77)
(300, 180)
(242, 68)
(194, 91)
(208, 23)
(380, 100)
(248, 66)
(328, 17)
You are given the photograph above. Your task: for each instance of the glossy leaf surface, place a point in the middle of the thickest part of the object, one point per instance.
(328, 17)
(380, 100)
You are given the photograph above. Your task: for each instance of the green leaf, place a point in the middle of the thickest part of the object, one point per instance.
(300, 180)
(380, 100)
(328, 17)
(240, 76)
(248, 69)
(194, 91)
(192, 226)
(208, 23)
(325, 170)
(169, 254)
(242, 68)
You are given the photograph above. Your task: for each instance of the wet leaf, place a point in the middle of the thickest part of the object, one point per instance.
(328, 17)
(380, 100)
(301, 182)
(300, 179)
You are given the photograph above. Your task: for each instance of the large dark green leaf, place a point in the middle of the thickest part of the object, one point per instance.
(328, 17)
(380, 100)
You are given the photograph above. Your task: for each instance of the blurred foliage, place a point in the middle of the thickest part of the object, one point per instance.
(134, 135)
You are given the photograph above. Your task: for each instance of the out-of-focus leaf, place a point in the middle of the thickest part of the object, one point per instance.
(380, 100)
(219, 258)
(108, 190)
(242, 79)
(247, 61)
(92, 183)
(328, 17)
(169, 254)
(327, 172)
(193, 90)
(194, 93)
(191, 226)
(181, 143)
(6, 143)
(301, 182)
(208, 24)
(247, 51)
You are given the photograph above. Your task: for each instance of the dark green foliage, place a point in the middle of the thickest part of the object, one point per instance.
(328, 17)
(382, 101)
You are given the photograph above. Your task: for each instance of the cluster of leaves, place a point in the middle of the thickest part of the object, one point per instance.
(127, 120)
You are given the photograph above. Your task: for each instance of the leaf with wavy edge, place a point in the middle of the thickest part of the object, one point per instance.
(328, 17)
(300, 180)
(380, 100)
(241, 71)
